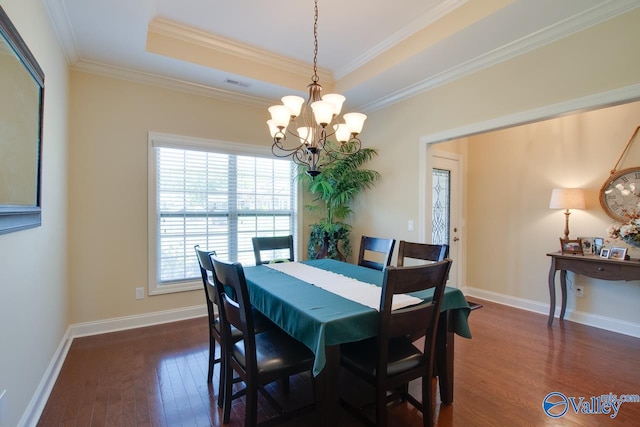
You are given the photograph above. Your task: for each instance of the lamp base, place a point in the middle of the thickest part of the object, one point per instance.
(566, 224)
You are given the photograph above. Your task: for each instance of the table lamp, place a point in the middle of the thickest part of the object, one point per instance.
(567, 198)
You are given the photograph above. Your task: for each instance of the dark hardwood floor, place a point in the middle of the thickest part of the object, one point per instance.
(156, 376)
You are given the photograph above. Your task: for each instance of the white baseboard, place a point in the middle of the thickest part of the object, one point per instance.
(137, 321)
(39, 400)
(595, 320)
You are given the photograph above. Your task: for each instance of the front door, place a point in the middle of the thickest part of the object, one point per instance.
(445, 209)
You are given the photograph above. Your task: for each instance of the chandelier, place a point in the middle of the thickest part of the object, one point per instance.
(311, 122)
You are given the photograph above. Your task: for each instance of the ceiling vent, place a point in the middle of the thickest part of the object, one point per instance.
(237, 83)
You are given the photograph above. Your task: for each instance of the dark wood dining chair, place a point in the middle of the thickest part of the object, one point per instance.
(390, 361)
(421, 251)
(215, 332)
(279, 247)
(383, 247)
(258, 359)
(206, 271)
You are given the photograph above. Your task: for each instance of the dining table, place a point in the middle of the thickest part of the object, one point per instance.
(322, 320)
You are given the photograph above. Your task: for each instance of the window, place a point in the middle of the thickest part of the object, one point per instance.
(216, 195)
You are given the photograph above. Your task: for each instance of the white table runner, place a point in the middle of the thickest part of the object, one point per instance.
(347, 287)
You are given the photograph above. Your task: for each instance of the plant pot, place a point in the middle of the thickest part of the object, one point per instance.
(323, 252)
(329, 244)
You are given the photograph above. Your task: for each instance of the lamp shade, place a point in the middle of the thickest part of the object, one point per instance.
(567, 198)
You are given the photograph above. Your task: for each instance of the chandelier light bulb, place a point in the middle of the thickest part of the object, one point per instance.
(293, 104)
(323, 112)
(280, 116)
(273, 129)
(337, 100)
(342, 132)
(355, 122)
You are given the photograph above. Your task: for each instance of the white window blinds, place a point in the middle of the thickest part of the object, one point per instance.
(218, 200)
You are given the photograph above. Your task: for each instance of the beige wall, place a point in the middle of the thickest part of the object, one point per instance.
(108, 185)
(510, 227)
(33, 275)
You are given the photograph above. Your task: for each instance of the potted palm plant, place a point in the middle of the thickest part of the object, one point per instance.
(334, 189)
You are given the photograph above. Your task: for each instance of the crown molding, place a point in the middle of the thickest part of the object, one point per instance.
(577, 23)
(407, 31)
(169, 83)
(225, 46)
(57, 12)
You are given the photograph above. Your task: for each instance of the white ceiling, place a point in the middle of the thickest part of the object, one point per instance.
(375, 52)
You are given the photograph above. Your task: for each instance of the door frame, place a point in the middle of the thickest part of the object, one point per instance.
(427, 153)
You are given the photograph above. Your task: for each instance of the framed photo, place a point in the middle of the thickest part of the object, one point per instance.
(618, 253)
(604, 253)
(588, 245)
(569, 246)
(598, 244)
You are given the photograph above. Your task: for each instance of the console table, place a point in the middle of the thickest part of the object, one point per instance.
(587, 265)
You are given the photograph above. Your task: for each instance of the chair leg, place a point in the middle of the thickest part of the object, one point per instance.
(212, 358)
(381, 406)
(251, 399)
(427, 404)
(228, 392)
(222, 381)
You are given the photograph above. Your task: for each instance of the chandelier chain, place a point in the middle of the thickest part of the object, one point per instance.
(315, 77)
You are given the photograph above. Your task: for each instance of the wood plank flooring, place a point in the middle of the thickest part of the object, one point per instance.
(156, 376)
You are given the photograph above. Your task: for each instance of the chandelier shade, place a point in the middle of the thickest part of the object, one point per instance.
(311, 124)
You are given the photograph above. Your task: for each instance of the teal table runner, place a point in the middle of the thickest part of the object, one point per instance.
(319, 318)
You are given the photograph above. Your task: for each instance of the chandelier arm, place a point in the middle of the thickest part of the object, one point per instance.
(277, 147)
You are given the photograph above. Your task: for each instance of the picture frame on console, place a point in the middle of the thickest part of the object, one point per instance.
(598, 244)
(588, 245)
(571, 246)
(618, 253)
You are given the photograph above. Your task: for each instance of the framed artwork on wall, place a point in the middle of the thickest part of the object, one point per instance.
(21, 109)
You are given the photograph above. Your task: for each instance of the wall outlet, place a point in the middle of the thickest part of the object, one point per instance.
(410, 225)
(139, 293)
(579, 290)
(3, 408)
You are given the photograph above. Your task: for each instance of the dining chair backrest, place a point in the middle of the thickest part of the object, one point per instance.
(211, 298)
(414, 319)
(206, 271)
(383, 248)
(392, 359)
(421, 251)
(280, 247)
(280, 355)
(235, 305)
